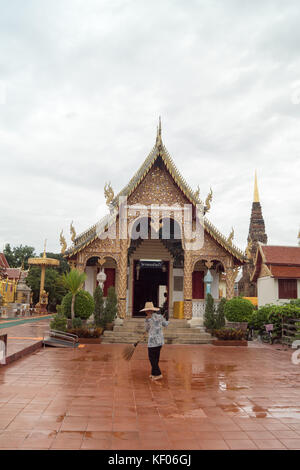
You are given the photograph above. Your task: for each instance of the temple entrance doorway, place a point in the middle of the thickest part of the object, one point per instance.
(151, 280)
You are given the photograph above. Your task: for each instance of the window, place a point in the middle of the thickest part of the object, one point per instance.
(287, 288)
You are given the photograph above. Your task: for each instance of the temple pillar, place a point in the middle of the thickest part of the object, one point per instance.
(122, 279)
(231, 274)
(188, 284)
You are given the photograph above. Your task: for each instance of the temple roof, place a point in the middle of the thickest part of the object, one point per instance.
(158, 151)
(282, 261)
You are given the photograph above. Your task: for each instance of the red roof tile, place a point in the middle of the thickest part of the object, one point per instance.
(286, 272)
(13, 273)
(287, 255)
(3, 261)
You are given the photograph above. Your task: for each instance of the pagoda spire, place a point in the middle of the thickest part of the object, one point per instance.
(256, 193)
(257, 234)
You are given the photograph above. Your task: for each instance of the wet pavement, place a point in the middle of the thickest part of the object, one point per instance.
(25, 335)
(210, 398)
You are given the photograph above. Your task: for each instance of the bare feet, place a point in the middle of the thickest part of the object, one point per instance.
(157, 377)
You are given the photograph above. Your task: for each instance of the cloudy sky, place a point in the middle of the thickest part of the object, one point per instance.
(82, 83)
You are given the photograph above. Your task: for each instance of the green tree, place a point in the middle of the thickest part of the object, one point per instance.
(110, 309)
(53, 285)
(220, 315)
(99, 306)
(73, 281)
(18, 255)
(209, 314)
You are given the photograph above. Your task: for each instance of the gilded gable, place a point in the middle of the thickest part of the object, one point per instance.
(158, 187)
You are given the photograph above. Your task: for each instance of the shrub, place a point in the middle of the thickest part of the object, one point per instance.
(238, 310)
(77, 323)
(220, 316)
(58, 309)
(99, 306)
(84, 305)
(278, 312)
(229, 334)
(209, 314)
(59, 322)
(260, 318)
(110, 309)
(86, 332)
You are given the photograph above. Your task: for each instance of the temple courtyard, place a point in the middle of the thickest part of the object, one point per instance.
(210, 398)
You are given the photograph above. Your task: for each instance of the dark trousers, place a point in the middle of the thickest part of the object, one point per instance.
(153, 354)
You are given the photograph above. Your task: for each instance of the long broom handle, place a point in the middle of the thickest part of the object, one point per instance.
(141, 339)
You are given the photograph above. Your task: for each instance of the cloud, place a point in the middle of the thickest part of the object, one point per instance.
(85, 82)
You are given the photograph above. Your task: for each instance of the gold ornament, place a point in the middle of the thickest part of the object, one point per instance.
(231, 235)
(63, 243)
(72, 232)
(108, 193)
(248, 250)
(208, 201)
(197, 193)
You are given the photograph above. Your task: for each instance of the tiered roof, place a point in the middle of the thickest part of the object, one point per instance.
(158, 151)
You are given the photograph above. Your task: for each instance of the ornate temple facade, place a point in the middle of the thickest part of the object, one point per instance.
(257, 234)
(153, 266)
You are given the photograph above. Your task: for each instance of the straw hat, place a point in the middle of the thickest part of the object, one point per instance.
(149, 307)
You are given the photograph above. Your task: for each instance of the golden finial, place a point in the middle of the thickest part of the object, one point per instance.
(208, 201)
(72, 232)
(197, 192)
(63, 243)
(108, 193)
(45, 244)
(256, 194)
(158, 136)
(231, 235)
(248, 250)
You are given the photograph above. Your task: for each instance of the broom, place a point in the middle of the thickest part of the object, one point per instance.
(129, 350)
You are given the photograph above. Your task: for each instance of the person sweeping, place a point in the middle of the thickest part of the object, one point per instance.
(154, 324)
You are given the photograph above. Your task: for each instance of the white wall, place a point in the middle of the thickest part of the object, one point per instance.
(266, 291)
(89, 284)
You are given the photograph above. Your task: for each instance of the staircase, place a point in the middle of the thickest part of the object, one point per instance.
(177, 332)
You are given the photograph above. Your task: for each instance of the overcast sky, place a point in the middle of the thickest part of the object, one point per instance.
(82, 83)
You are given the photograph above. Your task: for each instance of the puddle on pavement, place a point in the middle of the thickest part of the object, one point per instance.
(93, 358)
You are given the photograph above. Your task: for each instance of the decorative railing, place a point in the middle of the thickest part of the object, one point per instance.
(199, 307)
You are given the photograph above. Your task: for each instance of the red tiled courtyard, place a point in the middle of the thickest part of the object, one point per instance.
(210, 398)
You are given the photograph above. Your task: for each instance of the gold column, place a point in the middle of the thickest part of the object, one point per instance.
(230, 280)
(122, 279)
(187, 285)
(42, 285)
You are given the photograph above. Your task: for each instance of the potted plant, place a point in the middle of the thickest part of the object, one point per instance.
(229, 337)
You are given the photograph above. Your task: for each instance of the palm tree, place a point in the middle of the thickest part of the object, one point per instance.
(73, 281)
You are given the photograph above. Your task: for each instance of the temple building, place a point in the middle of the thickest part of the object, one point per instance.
(145, 250)
(257, 234)
(277, 274)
